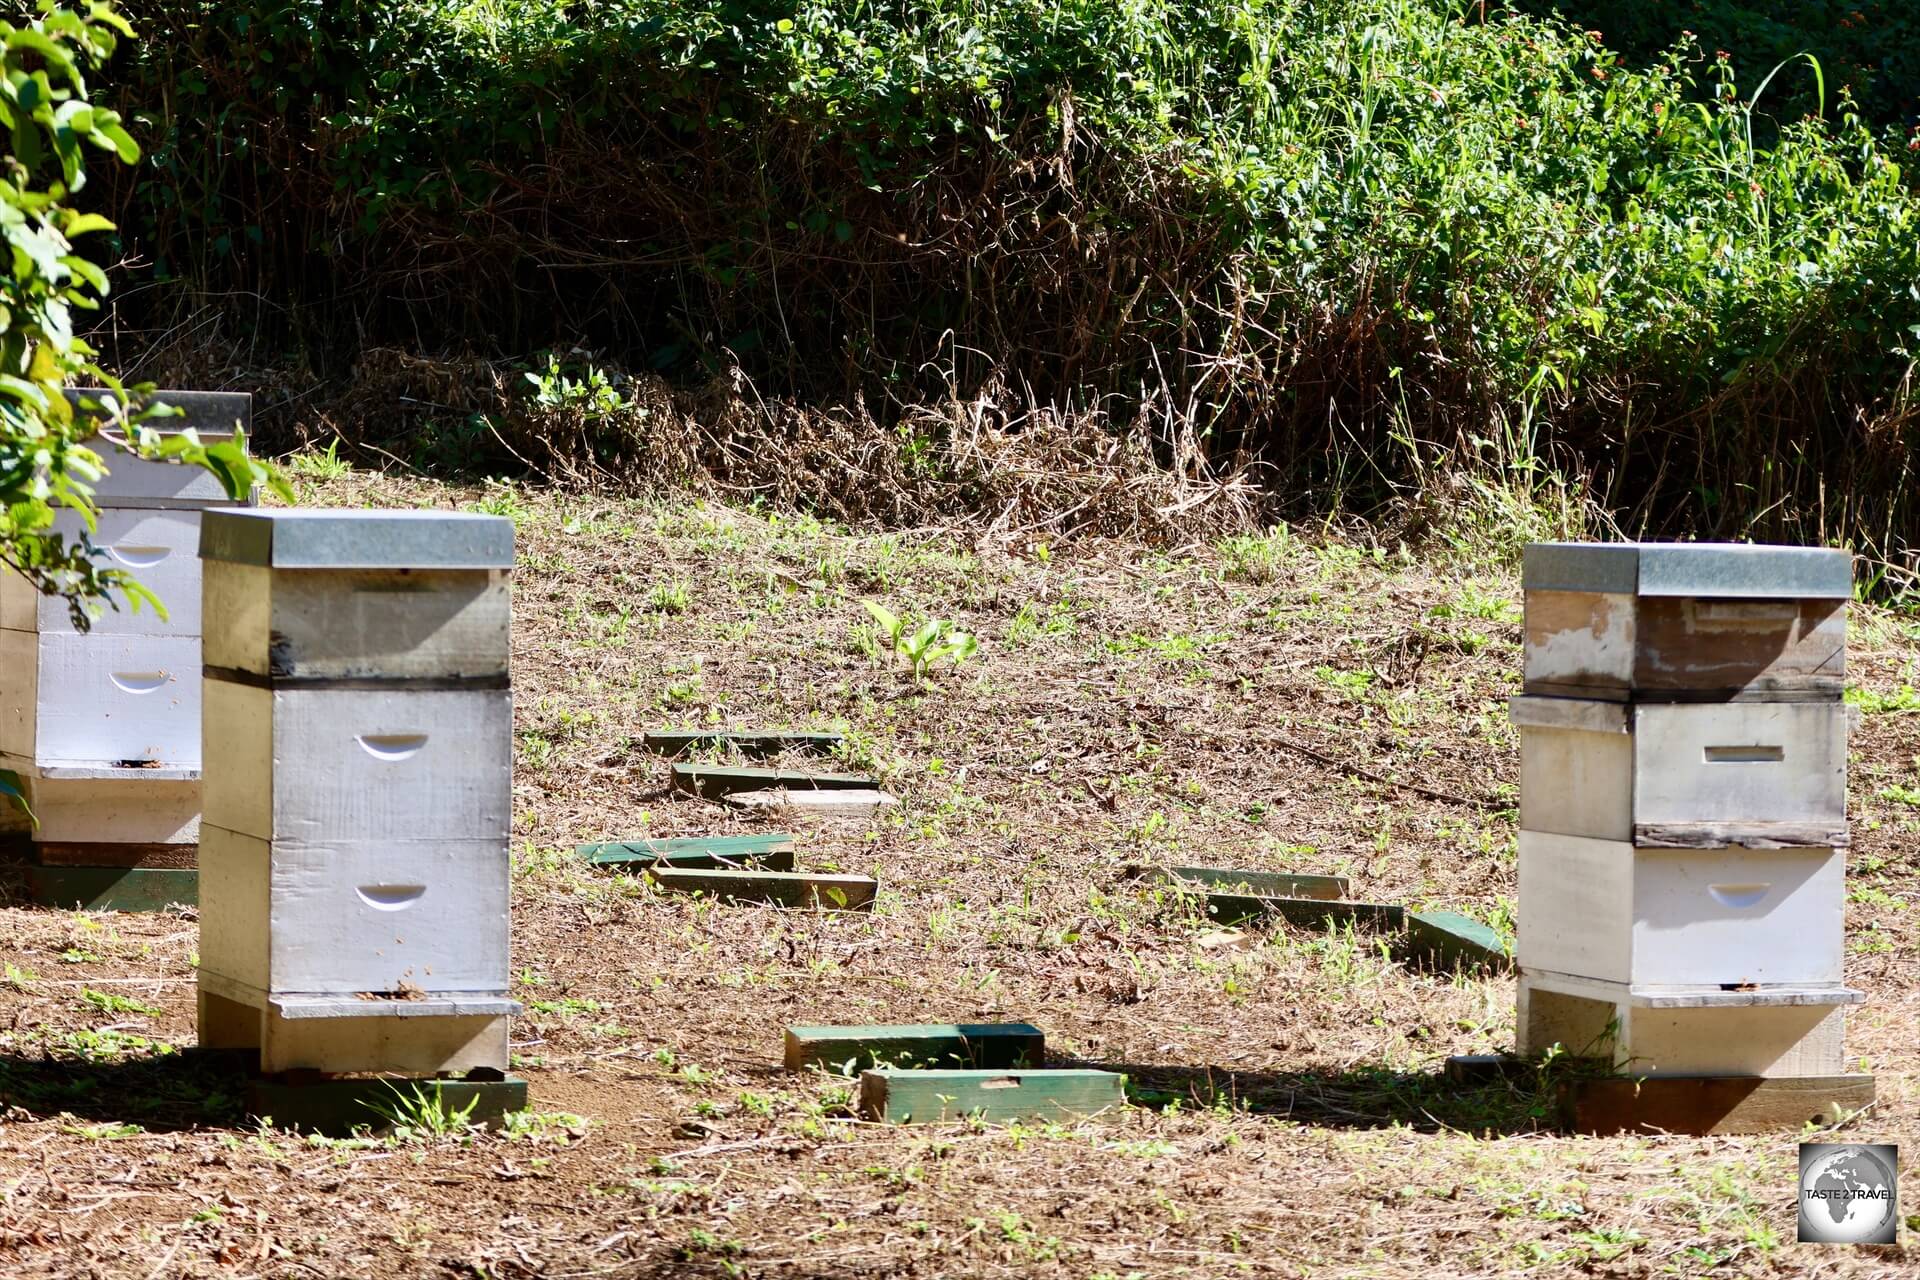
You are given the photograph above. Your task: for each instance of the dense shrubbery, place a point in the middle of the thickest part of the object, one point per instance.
(1869, 48)
(1342, 237)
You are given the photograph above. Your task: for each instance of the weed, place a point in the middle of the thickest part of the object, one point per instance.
(422, 1110)
(669, 597)
(934, 640)
(107, 1002)
(320, 464)
(1257, 558)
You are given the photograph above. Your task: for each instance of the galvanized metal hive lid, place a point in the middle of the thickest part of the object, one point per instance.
(316, 539)
(1712, 569)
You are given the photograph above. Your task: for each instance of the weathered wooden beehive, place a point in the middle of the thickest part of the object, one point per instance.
(104, 725)
(354, 863)
(1683, 807)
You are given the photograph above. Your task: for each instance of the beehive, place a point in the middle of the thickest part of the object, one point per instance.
(1683, 807)
(354, 864)
(104, 725)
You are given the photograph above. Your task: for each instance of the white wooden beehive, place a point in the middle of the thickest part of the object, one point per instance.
(1684, 773)
(120, 702)
(1683, 807)
(1680, 919)
(358, 722)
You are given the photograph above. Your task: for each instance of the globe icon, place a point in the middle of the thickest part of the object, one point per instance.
(1847, 1196)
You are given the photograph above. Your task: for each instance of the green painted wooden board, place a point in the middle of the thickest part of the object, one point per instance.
(711, 780)
(113, 888)
(747, 743)
(1273, 884)
(337, 1107)
(848, 1049)
(773, 888)
(769, 852)
(1308, 913)
(929, 1097)
(1449, 939)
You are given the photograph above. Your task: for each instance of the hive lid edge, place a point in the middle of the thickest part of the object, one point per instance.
(1726, 570)
(314, 538)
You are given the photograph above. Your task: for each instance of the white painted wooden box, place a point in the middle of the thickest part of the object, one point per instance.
(1783, 1032)
(1726, 620)
(1684, 774)
(1675, 919)
(120, 701)
(354, 858)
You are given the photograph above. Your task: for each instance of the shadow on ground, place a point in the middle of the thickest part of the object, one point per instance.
(162, 1093)
(1366, 1098)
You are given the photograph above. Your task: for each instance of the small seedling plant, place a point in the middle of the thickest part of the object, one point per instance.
(934, 640)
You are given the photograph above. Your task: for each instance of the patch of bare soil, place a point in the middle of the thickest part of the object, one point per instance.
(1282, 705)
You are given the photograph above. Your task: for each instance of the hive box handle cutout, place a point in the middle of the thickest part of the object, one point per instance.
(1005, 1082)
(391, 897)
(1746, 755)
(138, 557)
(392, 747)
(138, 681)
(1738, 895)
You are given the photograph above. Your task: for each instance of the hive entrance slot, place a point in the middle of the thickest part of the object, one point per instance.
(1746, 755)
(137, 681)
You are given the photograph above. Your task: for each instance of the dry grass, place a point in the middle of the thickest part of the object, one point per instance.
(1276, 704)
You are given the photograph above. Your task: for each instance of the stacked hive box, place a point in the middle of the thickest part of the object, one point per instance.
(354, 865)
(1683, 807)
(104, 725)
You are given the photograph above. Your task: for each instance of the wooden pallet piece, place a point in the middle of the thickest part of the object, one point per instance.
(1449, 940)
(751, 743)
(769, 852)
(113, 888)
(712, 781)
(336, 1107)
(1276, 884)
(773, 888)
(980, 1046)
(1307, 913)
(932, 1097)
(1709, 1105)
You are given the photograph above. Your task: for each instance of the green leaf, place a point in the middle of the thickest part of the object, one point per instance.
(14, 790)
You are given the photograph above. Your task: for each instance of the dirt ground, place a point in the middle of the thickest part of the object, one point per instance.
(1291, 703)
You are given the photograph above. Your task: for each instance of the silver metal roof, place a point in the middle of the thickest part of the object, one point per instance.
(1721, 569)
(308, 538)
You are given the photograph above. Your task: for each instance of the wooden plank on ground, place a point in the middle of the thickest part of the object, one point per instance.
(1274, 884)
(1705, 1105)
(113, 888)
(773, 888)
(1307, 913)
(983, 1045)
(772, 852)
(1449, 940)
(929, 1097)
(713, 780)
(749, 743)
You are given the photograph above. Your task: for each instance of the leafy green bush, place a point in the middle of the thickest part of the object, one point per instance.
(1349, 239)
(44, 461)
